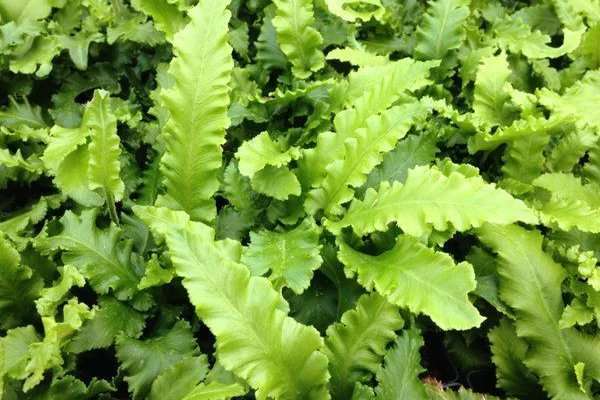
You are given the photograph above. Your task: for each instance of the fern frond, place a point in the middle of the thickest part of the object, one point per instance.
(442, 28)
(197, 105)
(244, 313)
(297, 38)
(553, 352)
(413, 275)
(429, 199)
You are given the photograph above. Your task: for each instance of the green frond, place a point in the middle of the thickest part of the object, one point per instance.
(197, 105)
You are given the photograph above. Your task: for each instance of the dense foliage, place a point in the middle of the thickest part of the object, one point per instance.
(298, 199)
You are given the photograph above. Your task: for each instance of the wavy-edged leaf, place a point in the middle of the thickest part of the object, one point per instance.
(524, 158)
(166, 16)
(508, 353)
(576, 100)
(553, 352)
(442, 28)
(46, 354)
(358, 57)
(414, 276)
(177, 382)
(290, 257)
(370, 91)
(144, 360)
(111, 319)
(243, 312)
(399, 377)
(491, 103)
(363, 151)
(268, 52)
(19, 287)
(520, 129)
(515, 36)
(410, 152)
(355, 346)
(297, 38)
(353, 10)
(260, 151)
(104, 148)
(52, 297)
(67, 158)
(571, 203)
(98, 254)
(570, 149)
(215, 391)
(429, 199)
(279, 183)
(197, 105)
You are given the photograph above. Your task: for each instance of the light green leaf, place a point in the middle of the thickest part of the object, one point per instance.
(358, 57)
(21, 10)
(19, 287)
(353, 10)
(243, 312)
(576, 100)
(508, 353)
(410, 152)
(98, 254)
(363, 151)
(112, 318)
(145, 360)
(104, 148)
(576, 313)
(215, 391)
(399, 377)
(166, 17)
(442, 28)
(260, 151)
(431, 200)
(515, 36)
(525, 268)
(355, 346)
(51, 298)
(180, 380)
(297, 38)
(290, 257)
(15, 349)
(279, 183)
(491, 103)
(197, 105)
(414, 276)
(571, 203)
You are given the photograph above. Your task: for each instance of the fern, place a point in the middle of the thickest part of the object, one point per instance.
(517, 37)
(165, 15)
(491, 102)
(575, 100)
(525, 268)
(104, 166)
(243, 312)
(297, 38)
(291, 257)
(414, 276)
(442, 28)
(352, 10)
(508, 353)
(362, 153)
(98, 254)
(375, 91)
(355, 346)
(571, 204)
(429, 199)
(399, 376)
(197, 105)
